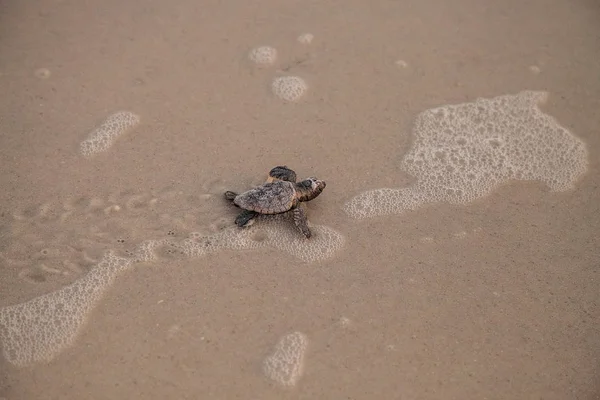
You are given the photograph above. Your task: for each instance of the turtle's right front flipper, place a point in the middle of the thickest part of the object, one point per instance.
(301, 221)
(244, 218)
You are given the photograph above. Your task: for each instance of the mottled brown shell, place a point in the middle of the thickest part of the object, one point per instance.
(270, 198)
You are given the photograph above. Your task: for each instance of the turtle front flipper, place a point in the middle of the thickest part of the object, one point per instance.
(301, 221)
(229, 195)
(281, 173)
(244, 218)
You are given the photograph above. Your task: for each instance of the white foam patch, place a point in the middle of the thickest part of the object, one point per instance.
(263, 55)
(103, 137)
(306, 38)
(463, 152)
(286, 364)
(37, 330)
(42, 73)
(289, 88)
(146, 251)
(275, 231)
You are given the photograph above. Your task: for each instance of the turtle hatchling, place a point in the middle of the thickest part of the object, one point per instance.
(279, 194)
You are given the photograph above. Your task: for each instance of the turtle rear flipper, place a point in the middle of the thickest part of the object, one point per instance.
(301, 221)
(229, 195)
(245, 218)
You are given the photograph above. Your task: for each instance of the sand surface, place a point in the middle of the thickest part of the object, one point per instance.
(494, 299)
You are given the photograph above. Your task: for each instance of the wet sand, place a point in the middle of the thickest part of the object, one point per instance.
(494, 299)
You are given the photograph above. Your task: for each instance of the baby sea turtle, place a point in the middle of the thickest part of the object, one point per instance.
(279, 194)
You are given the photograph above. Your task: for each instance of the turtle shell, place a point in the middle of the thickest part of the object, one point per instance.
(270, 198)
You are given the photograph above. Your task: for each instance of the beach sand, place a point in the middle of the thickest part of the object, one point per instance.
(492, 299)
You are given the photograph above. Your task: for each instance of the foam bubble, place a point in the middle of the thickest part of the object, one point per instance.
(306, 38)
(263, 55)
(42, 73)
(535, 69)
(286, 364)
(37, 330)
(103, 137)
(463, 152)
(289, 88)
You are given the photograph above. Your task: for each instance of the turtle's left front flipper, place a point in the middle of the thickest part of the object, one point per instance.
(245, 217)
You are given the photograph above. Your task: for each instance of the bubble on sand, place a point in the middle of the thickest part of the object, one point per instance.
(306, 38)
(534, 69)
(37, 330)
(402, 63)
(286, 364)
(289, 88)
(42, 73)
(463, 152)
(103, 137)
(263, 55)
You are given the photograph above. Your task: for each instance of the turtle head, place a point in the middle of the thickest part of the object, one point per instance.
(309, 188)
